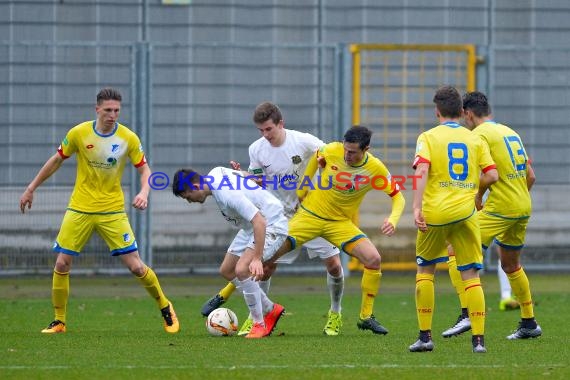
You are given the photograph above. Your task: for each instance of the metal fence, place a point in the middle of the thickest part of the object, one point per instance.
(191, 104)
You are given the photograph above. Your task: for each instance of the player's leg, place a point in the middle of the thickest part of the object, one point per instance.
(227, 270)
(507, 302)
(510, 245)
(362, 248)
(116, 230)
(330, 256)
(430, 250)
(75, 231)
(465, 237)
(463, 323)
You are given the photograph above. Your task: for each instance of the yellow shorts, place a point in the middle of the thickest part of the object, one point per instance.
(508, 233)
(464, 236)
(77, 228)
(305, 226)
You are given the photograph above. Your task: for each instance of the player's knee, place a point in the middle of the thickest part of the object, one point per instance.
(372, 261)
(63, 263)
(242, 271)
(334, 266)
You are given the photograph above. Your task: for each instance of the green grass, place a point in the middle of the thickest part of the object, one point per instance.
(115, 331)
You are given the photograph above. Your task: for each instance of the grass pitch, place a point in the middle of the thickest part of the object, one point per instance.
(115, 330)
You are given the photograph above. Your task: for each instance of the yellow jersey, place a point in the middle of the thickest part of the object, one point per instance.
(338, 190)
(100, 163)
(456, 157)
(509, 196)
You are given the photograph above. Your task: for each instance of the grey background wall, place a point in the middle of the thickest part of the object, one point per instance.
(212, 61)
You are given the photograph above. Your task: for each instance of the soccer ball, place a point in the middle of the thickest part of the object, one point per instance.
(222, 322)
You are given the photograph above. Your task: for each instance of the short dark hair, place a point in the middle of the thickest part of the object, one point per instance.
(266, 111)
(358, 134)
(477, 103)
(108, 93)
(182, 180)
(448, 102)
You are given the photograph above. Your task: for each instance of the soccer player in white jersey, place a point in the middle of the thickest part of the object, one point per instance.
(263, 228)
(279, 159)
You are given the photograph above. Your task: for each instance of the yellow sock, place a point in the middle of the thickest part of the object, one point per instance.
(369, 285)
(521, 290)
(152, 286)
(60, 294)
(476, 305)
(425, 300)
(227, 291)
(456, 281)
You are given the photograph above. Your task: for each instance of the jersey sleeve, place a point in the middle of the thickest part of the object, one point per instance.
(486, 162)
(422, 151)
(255, 166)
(136, 152)
(68, 145)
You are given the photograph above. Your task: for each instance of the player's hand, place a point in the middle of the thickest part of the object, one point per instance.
(256, 269)
(479, 202)
(388, 228)
(140, 202)
(26, 199)
(419, 220)
(235, 165)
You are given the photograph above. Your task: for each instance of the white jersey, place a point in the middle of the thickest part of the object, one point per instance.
(239, 201)
(283, 165)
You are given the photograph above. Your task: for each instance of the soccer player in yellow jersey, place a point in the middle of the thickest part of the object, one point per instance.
(506, 212)
(449, 162)
(348, 172)
(102, 147)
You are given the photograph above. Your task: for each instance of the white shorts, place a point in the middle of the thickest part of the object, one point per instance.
(318, 247)
(244, 240)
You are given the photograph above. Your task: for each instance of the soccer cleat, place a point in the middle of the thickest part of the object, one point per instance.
(246, 327)
(421, 346)
(371, 324)
(212, 304)
(258, 330)
(55, 327)
(462, 325)
(478, 342)
(525, 332)
(334, 322)
(171, 324)
(509, 304)
(272, 317)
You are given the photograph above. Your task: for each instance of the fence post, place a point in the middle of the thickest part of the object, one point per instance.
(140, 92)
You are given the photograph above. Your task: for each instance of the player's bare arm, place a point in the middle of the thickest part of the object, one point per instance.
(530, 176)
(141, 199)
(50, 167)
(422, 176)
(259, 228)
(487, 178)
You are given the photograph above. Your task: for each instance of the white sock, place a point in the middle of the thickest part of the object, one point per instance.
(504, 282)
(252, 296)
(336, 289)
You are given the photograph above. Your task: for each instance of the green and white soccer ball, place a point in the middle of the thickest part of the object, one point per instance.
(222, 322)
